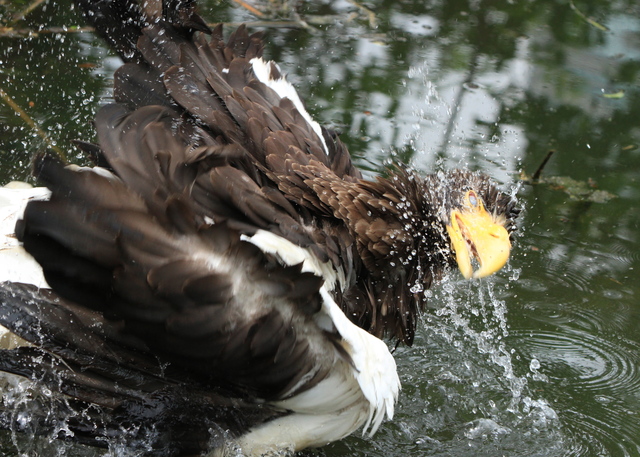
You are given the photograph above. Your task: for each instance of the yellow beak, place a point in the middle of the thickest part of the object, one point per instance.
(475, 234)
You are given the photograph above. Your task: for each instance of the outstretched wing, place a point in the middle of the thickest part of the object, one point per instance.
(247, 136)
(155, 240)
(113, 389)
(192, 291)
(207, 147)
(207, 154)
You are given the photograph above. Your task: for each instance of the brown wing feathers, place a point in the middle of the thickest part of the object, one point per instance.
(124, 248)
(224, 154)
(157, 292)
(153, 247)
(157, 278)
(119, 393)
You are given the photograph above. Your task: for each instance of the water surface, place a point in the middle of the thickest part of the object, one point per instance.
(544, 358)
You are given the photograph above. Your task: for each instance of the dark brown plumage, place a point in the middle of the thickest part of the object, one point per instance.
(157, 287)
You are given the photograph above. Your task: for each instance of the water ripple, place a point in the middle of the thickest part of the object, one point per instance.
(583, 316)
(559, 272)
(600, 388)
(624, 252)
(593, 362)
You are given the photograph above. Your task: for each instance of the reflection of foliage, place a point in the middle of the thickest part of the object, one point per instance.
(566, 128)
(51, 77)
(352, 78)
(342, 69)
(602, 148)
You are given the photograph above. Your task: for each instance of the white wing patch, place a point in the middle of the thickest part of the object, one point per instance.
(15, 263)
(292, 254)
(284, 89)
(375, 369)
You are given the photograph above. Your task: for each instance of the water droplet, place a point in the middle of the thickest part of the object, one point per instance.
(534, 365)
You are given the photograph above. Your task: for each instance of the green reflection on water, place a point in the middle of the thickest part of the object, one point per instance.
(491, 85)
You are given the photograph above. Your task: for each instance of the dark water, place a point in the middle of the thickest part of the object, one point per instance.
(542, 360)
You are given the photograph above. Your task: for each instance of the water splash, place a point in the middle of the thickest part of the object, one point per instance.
(478, 389)
(36, 427)
(474, 318)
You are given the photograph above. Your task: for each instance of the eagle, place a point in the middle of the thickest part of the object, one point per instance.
(224, 278)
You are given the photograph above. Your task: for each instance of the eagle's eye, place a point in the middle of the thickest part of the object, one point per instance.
(472, 199)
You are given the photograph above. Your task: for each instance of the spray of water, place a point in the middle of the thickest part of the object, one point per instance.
(478, 376)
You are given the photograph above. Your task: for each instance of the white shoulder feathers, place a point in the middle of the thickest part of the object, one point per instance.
(15, 264)
(284, 89)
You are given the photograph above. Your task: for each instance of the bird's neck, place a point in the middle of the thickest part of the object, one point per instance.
(401, 244)
(390, 220)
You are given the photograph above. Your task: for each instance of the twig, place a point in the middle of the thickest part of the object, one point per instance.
(30, 122)
(250, 8)
(275, 24)
(373, 23)
(587, 18)
(536, 176)
(20, 33)
(25, 12)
